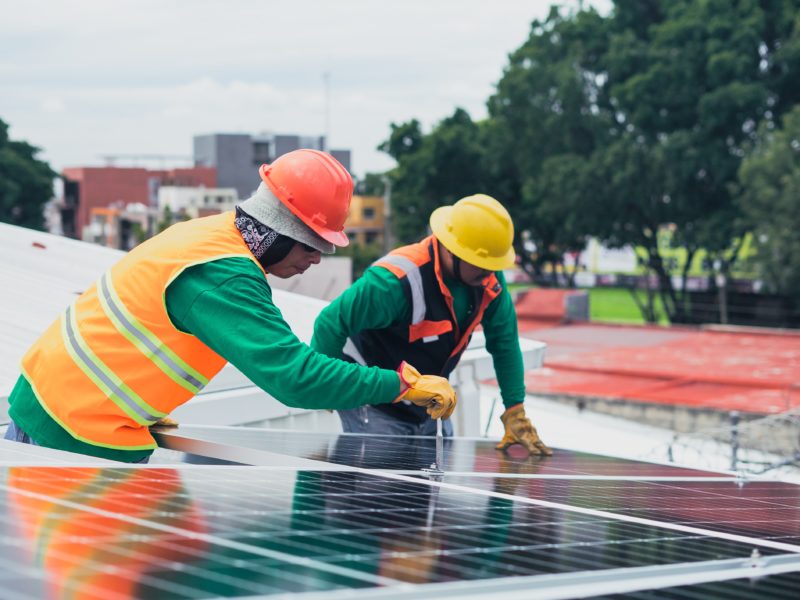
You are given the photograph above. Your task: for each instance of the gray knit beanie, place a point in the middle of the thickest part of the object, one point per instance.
(264, 206)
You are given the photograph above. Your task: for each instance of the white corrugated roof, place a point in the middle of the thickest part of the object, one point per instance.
(40, 274)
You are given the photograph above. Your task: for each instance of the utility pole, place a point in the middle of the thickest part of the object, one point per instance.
(326, 78)
(721, 280)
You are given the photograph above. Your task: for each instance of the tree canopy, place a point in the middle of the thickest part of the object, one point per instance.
(616, 127)
(26, 183)
(770, 202)
(433, 169)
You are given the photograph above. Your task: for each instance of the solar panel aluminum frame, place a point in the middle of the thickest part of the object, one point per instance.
(585, 584)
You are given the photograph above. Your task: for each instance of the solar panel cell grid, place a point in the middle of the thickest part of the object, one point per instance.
(769, 510)
(415, 453)
(228, 531)
(298, 526)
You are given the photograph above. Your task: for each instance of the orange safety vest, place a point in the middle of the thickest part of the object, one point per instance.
(432, 340)
(113, 363)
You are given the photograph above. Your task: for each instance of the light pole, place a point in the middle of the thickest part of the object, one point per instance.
(326, 79)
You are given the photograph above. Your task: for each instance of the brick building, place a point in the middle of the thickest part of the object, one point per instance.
(87, 188)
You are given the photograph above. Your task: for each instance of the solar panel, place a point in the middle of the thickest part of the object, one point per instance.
(316, 520)
(760, 509)
(398, 453)
(226, 531)
(776, 586)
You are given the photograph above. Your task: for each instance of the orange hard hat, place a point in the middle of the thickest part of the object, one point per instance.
(315, 187)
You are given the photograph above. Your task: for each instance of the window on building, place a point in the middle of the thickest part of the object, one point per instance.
(261, 153)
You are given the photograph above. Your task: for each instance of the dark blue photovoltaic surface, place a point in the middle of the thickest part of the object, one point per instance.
(320, 516)
(414, 453)
(761, 509)
(236, 531)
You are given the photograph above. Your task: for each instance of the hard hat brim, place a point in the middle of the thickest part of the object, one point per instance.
(440, 218)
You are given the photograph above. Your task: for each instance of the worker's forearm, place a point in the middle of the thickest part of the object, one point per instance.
(272, 357)
(510, 377)
(502, 342)
(229, 308)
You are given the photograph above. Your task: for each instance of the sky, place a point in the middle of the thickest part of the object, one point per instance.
(86, 79)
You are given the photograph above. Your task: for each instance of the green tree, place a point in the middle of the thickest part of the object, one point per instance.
(543, 129)
(167, 219)
(372, 184)
(26, 183)
(432, 170)
(642, 118)
(686, 90)
(770, 201)
(551, 210)
(619, 127)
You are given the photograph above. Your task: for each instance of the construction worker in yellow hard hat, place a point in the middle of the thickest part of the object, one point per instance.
(421, 303)
(161, 322)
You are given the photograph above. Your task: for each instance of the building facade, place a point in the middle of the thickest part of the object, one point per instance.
(87, 188)
(121, 228)
(196, 202)
(237, 156)
(365, 223)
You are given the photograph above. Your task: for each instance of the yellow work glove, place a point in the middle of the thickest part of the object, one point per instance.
(165, 422)
(519, 430)
(431, 391)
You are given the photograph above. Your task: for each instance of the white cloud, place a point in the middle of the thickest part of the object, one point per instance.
(89, 77)
(52, 105)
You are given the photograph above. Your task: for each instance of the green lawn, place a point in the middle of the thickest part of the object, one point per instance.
(615, 305)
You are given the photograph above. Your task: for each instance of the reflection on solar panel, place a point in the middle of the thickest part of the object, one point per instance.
(415, 453)
(324, 524)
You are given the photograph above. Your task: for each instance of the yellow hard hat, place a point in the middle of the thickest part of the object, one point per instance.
(478, 230)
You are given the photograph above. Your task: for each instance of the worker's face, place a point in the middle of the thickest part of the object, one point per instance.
(300, 258)
(470, 274)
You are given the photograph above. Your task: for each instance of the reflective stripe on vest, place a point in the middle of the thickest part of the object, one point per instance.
(146, 341)
(103, 377)
(411, 271)
(114, 362)
(419, 265)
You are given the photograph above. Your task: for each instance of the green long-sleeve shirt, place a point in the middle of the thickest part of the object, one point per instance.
(228, 305)
(377, 301)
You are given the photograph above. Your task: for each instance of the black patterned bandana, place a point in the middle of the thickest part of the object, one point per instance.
(266, 244)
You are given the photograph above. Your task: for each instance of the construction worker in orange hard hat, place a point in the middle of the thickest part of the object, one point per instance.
(139, 342)
(421, 303)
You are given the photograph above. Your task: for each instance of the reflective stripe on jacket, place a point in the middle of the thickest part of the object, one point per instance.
(113, 363)
(432, 341)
